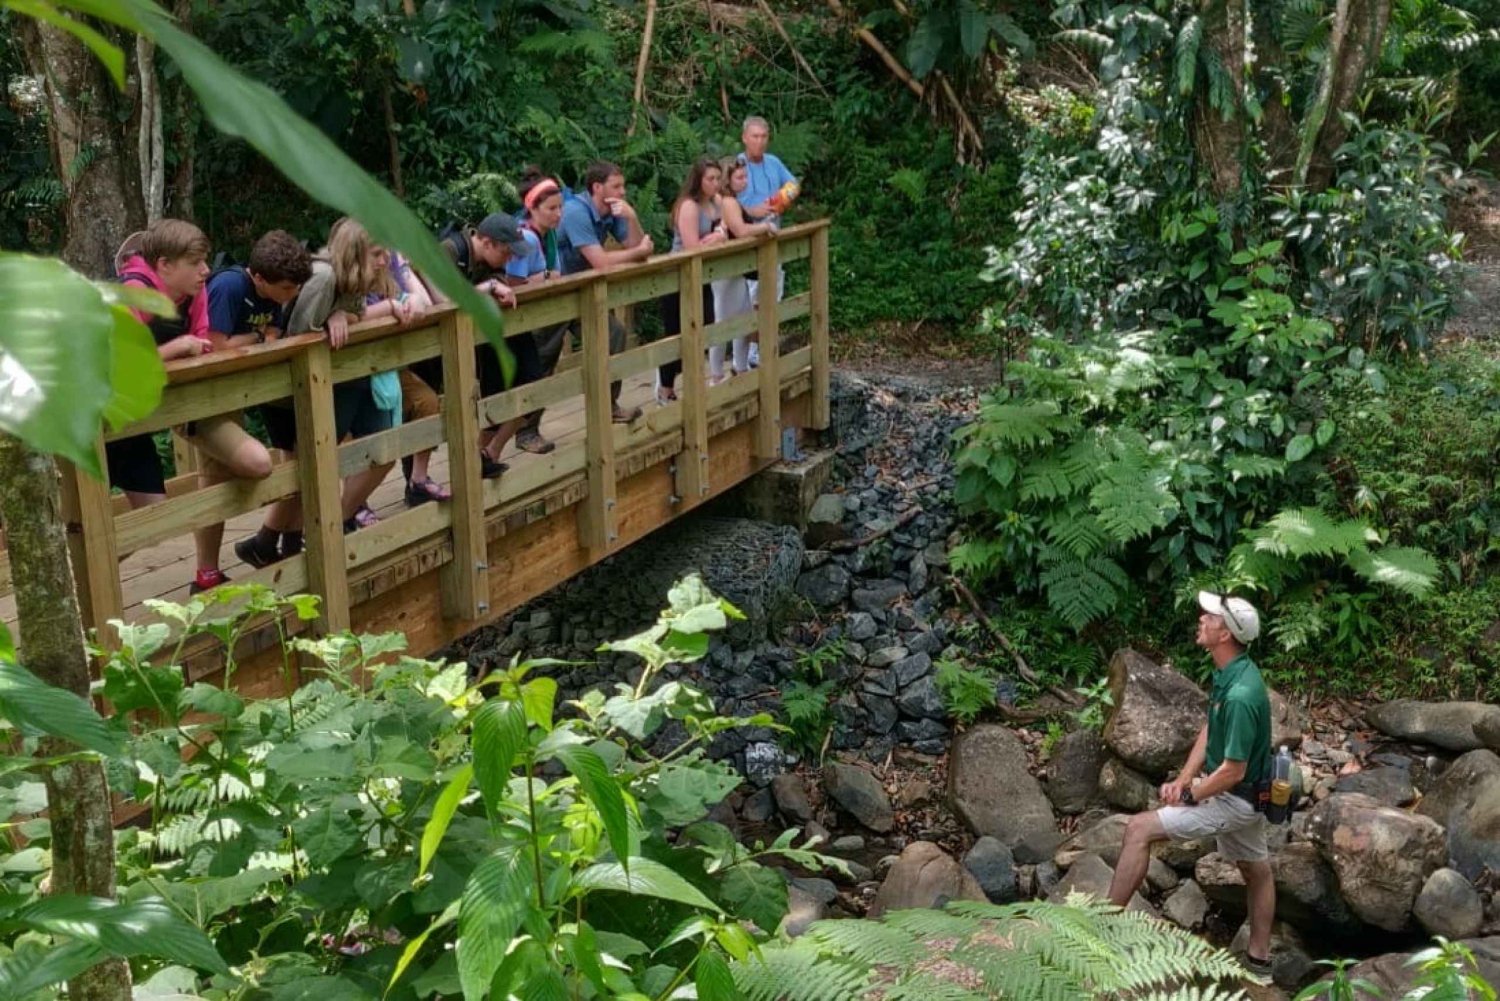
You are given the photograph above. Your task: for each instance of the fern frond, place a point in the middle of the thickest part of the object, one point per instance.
(1048, 478)
(1025, 424)
(1185, 54)
(1309, 532)
(866, 941)
(1407, 569)
(1254, 467)
(1133, 502)
(1081, 591)
(1093, 42)
(800, 972)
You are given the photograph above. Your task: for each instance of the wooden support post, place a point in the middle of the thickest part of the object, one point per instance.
(96, 559)
(692, 462)
(768, 424)
(184, 455)
(597, 525)
(821, 368)
(465, 580)
(318, 475)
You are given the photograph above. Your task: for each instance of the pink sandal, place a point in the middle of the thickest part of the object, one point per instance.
(422, 491)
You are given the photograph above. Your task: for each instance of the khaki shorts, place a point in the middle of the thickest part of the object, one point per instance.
(1240, 830)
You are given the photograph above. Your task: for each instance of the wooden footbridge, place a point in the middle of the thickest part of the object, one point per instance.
(440, 570)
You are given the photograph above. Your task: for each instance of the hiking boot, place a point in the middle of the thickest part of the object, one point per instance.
(253, 553)
(207, 580)
(1257, 967)
(531, 440)
(489, 469)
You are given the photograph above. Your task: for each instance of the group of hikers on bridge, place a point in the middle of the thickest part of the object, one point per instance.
(284, 289)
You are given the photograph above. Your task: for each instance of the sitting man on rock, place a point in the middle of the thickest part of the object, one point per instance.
(1215, 793)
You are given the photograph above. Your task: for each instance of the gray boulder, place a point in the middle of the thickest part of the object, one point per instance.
(1381, 855)
(922, 700)
(1103, 839)
(992, 791)
(1157, 714)
(1286, 722)
(803, 909)
(1307, 892)
(1465, 799)
(1073, 771)
(1387, 784)
(1187, 906)
(924, 876)
(826, 586)
(1449, 725)
(1449, 906)
(791, 797)
(1125, 788)
(859, 794)
(994, 866)
(1488, 730)
(1091, 875)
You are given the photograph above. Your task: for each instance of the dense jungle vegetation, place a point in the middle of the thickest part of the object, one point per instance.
(1213, 244)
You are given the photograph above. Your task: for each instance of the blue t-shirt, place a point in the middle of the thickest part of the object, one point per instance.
(763, 180)
(534, 263)
(235, 308)
(583, 227)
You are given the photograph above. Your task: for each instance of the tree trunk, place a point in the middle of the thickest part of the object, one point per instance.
(638, 96)
(51, 647)
(93, 147)
(150, 151)
(184, 132)
(1277, 133)
(1354, 44)
(1219, 133)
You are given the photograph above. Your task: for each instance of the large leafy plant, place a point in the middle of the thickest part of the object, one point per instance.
(392, 828)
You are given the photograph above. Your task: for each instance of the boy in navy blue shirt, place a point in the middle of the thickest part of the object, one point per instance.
(244, 308)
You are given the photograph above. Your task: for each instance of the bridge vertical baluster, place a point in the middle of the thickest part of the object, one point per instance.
(768, 424)
(692, 482)
(318, 475)
(96, 559)
(465, 580)
(597, 520)
(819, 322)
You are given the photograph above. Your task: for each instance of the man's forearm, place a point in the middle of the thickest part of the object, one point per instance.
(1224, 778)
(1195, 757)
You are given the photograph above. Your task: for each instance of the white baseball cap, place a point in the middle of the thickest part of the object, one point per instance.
(1240, 617)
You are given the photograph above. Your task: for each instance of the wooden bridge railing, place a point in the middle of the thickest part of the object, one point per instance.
(304, 369)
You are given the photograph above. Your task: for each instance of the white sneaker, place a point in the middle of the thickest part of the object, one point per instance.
(755, 356)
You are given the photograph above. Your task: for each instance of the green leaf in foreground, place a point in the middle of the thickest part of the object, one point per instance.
(29, 701)
(60, 349)
(603, 793)
(645, 878)
(496, 898)
(140, 928)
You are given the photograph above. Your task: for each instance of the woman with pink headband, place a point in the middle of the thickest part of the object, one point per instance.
(541, 200)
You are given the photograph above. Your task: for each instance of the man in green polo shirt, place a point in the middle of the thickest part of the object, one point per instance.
(1214, 794)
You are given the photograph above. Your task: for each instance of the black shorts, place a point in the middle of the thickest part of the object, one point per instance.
(134, 465)
(354, 414)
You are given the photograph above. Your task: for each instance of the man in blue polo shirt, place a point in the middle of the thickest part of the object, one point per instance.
(764, 176)
(1215, 793)
(588, 219)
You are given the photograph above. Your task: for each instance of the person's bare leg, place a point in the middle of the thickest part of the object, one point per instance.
(1260, 901)
(208, 540)
(138, 499)
(502, 434)
(359, 487)
(1135, 856)
(419, 464)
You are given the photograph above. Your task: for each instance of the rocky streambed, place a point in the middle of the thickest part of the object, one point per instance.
(1399, 837)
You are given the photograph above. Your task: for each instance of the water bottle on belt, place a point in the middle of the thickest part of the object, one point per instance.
(1281, 787)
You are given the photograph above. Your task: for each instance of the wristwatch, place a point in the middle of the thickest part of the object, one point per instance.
(1188, 798)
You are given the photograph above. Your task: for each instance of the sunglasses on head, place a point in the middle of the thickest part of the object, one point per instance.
(1226, 612)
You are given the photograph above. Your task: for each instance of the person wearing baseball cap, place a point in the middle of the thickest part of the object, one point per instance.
(1215, 792)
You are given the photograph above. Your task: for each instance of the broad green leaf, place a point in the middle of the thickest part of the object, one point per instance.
(239, 106)
(442, 815)
(33, 968)
(495, 899)
(206, 698)
(141, 928)
(136, 376)
(1299, 448)
(545, 984)
(538, 696)
(56, 351)
(7, 645)
(326, 834)
(129, 687)
(1326, 429)
(30, 702)
(925, 46)
(712, 978)
(755, 892)
(603, 794)
(499, 735)
(645, 878)
(685, 792)
(206, 898)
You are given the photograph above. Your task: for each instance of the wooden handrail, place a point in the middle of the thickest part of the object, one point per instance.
(303, 368)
